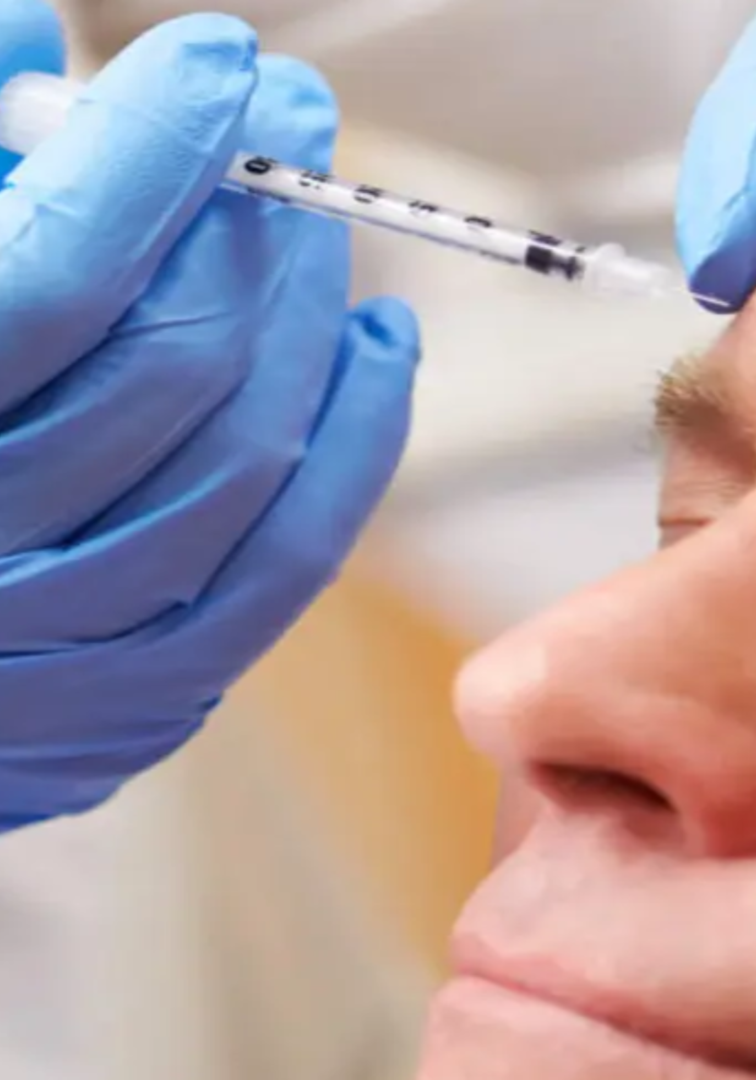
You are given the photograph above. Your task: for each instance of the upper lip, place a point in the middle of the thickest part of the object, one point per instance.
(546, 980)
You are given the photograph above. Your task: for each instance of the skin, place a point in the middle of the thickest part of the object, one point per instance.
(616, 936)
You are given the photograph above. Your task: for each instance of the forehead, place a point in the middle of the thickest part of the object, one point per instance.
(714, 392)
(732, 359)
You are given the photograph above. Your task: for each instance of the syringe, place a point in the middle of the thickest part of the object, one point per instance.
(34, 105)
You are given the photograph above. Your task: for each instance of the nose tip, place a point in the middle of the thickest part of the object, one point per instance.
(639, 723)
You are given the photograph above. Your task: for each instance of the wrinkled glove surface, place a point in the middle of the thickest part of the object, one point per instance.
(194, 427)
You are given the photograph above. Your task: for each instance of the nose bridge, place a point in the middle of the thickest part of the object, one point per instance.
(650, 676)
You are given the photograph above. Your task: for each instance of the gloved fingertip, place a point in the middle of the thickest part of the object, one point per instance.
(726, 277)
(716, 204)
(294, 116)
(219, 42)
(196, 73)
(716, 239)
(146, 145)
(87, 219)
(305, 84)
(392, 326)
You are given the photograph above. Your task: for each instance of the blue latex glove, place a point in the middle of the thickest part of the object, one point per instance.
(716, 215)
(193, 427)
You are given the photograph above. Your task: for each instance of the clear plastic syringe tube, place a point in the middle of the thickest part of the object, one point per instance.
(33, 106)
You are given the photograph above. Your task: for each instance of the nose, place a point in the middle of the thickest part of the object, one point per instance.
(636, 700)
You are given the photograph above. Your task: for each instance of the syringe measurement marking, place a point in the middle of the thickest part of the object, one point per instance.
(541, 253)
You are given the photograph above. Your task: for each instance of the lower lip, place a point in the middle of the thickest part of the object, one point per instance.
(478, 1031)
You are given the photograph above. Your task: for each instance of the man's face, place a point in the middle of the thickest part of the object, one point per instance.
(617, 941)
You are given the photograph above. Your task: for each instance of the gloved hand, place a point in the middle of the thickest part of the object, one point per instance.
(193, 428)
(716, 216)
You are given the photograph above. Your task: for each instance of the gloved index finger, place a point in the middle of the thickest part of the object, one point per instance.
(716, 207)
(87, 219)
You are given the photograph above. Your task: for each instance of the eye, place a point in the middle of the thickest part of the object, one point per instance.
(673, 532)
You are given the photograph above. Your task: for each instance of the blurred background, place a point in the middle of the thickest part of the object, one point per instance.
(276, 901)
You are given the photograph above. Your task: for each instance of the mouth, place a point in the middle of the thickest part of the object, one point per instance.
(546, 983)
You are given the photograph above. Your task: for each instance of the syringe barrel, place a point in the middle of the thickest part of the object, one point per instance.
(610, 271)
(33, 106)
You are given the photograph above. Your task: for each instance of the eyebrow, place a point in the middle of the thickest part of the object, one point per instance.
(694, 397)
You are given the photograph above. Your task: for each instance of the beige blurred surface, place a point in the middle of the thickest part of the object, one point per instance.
(362, 693)
(323, 833)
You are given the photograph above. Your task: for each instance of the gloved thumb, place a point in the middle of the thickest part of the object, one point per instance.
(90, 216)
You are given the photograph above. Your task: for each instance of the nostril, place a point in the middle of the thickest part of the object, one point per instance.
(579, 788)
